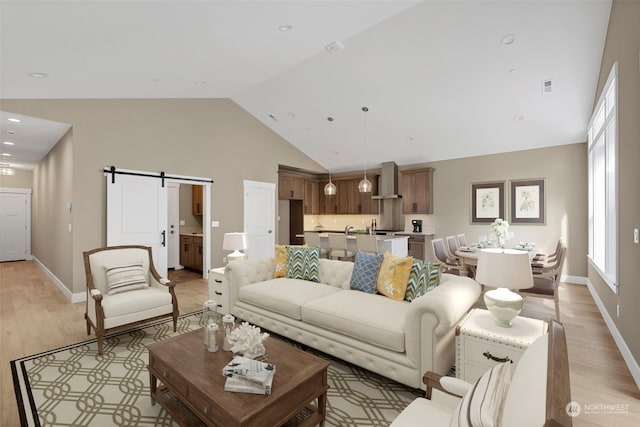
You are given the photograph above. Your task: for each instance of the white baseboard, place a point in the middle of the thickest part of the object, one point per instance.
(576, 280)
(631, 362)
(71, 297)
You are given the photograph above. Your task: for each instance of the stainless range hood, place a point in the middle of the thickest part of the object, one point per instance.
(388, 188)
(389, 199)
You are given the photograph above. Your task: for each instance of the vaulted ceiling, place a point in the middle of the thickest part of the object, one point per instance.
(441, 79)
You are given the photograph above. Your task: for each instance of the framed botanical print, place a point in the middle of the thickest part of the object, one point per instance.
(527, 202)
(487, 202)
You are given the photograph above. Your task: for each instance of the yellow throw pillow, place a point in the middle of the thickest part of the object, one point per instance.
(394, 275)
(280, 261)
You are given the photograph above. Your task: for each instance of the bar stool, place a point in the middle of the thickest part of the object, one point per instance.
(367, 243)
(338, 247)
(313, 239)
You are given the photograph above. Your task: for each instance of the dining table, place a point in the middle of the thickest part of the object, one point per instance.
(468, 257)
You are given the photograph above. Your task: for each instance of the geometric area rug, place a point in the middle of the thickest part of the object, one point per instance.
(74, 386)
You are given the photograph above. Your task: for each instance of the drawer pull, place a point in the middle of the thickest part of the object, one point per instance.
(218, 293)
(217, 280)
(496, 359)
(220, 305)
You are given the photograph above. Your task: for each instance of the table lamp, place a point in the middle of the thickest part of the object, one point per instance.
(235, 242)
(504, 269)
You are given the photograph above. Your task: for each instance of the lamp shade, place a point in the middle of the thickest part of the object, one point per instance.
(234, 241)
(504, 268)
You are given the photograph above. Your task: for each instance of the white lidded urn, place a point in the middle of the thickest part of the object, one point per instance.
(209, 317)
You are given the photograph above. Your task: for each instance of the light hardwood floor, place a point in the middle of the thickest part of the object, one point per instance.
(35, 317)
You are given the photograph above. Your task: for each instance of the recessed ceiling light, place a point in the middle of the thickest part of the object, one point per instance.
(291, 115)
(6, 155)
(285, 28)
(408, 139)
(14, 120)
(334, 47)
(7, 171)
(518, 118)
(200, 83)
(8, 143)
(38, 75)
(508, 39)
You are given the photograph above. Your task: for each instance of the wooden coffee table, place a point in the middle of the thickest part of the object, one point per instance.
(193, 385)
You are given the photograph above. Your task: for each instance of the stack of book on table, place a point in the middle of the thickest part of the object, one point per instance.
(248, 376)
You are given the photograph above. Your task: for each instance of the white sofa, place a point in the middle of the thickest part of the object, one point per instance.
(396, 339)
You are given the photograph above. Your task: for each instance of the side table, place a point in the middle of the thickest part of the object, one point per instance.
(481, 344)
(219, 289)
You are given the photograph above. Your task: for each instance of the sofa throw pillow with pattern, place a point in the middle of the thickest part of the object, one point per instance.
(302, 263)
(394, 275)
(417, 283)
(484, 402)
(434, 272)
(280, 262)
(126, 277)
(365, 272)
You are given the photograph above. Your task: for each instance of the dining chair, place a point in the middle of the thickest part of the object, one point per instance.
(547, 279)
(313, 239)
(452, 247)
(367, 243)
(338, 247)
(540, 259)
(450, 265)
(462, 240)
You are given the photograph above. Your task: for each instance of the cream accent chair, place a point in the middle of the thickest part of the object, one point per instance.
(539, 393)
(108, 312)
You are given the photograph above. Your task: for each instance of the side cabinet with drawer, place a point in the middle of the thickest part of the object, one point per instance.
(480, 343)
(219, 289)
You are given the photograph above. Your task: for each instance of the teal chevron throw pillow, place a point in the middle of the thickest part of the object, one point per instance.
(434, 272)
(302, 263)
(365, 272)
(424, 276)
(417, 284)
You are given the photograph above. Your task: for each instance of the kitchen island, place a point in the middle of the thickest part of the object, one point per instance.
(397, 245)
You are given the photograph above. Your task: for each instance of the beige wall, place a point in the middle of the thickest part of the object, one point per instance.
(212, 138)
(22, 179)
(623, 46)
(51, 242)
(564, 169)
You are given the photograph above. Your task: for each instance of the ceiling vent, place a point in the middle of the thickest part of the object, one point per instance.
(547, 86)
(334, 47)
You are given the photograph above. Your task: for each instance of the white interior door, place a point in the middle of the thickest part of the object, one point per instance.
(137, 215)
(173, 229)
(259, 218)
(14, 231)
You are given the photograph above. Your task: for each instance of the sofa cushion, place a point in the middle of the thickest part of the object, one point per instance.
(302, 263)
(284, 296)
(335, 273)
(125, 277)
(280, 262)
(366, 317)
(483, 403)
(394, 275)
(365, 272)
(434, 273)
(417, 283)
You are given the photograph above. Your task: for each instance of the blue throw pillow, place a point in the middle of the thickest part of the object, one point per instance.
(365, 272)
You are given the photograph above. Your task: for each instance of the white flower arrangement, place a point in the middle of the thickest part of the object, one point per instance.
(500, 228)
(247, 339)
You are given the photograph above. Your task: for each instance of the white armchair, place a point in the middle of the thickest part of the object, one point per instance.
(538, 394)
(124, 289)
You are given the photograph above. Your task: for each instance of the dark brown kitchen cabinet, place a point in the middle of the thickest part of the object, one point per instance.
(191, 252)
(311, 197)
(290, 187)
(417, 191)
(196, 199)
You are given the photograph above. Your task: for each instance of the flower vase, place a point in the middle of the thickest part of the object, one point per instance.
(501, 241)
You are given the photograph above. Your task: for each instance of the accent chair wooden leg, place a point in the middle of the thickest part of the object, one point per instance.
(100, 336)
(86, 318)
(175, 322)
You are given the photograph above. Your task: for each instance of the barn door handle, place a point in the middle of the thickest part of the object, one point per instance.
(164, 237)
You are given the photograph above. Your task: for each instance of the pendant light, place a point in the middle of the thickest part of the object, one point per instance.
(364, 186)
(330, 187)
